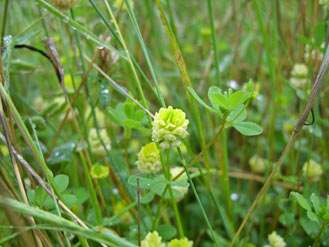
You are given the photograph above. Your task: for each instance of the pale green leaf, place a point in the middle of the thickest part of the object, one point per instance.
(201, 102)
(301, 201)
(238, 98)
(248, 128)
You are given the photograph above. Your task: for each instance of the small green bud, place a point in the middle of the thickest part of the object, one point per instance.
(257, 164)
(312, 170)
(275, 240)
(183, 242)
(99, 171)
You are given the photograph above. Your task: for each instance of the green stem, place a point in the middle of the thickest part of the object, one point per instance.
(197, 197)
(139, 86)
(115, 35)
(4, 20)
(148, 60)
(184, 76)
(225, 176)
(158, 212)
(91, 189)
(317, 239)
(173, 201)
(116, 216)
(30, 142)
(213, 40)
(44, 26)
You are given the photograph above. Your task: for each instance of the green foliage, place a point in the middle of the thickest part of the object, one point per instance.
(233, 106)
(128, 115)
(316, 213)
(157, 185)
(62, 154)
(161, 54)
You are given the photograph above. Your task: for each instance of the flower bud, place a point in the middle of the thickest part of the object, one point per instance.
(299, 76)
(275, 240)
(99, 171)
(168, 124)
(312, 170)
(152, 239)
(257, 164)
(183, 242)
(149, 159)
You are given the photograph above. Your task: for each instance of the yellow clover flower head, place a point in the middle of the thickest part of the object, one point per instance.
(184, 242)
(312, 170)
(95, 143)
(169, 123)
(99, 171)
(299, 75)
(65, 4)
(152, 239)
(275, 240)
(149, 159)
(257, 164)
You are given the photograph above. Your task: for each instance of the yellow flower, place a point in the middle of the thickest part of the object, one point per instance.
(168, 124)
(95, 144)
(275, 240)
(65, 4)
(99, 171)
(312, 170)
(149, 159)
(184, 242)
(299, 75)
(257, 164)
(152, 239)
